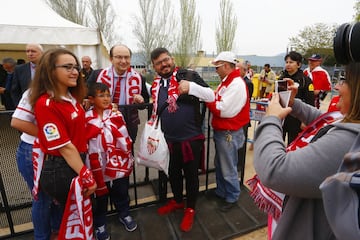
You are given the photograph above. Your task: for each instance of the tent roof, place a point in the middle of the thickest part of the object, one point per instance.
(23, 22)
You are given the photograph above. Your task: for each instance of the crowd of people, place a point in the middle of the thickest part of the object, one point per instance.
(77, 127)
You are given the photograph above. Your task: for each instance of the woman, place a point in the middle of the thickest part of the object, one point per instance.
(292, 126)
(55, 95)
(299, 171)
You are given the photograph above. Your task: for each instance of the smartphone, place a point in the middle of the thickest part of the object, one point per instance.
(281, 85)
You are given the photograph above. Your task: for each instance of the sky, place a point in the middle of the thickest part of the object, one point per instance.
(264, 26)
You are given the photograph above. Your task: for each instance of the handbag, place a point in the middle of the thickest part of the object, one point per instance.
(153, 151)
(341, 196)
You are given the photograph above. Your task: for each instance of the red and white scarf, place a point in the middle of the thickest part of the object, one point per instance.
(77, 221)
(38, 157)
(271, 201)
(173, 94)
(133, 82)
(108, 137)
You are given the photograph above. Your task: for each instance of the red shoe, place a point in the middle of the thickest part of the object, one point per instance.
(169, 207)
(188, 220)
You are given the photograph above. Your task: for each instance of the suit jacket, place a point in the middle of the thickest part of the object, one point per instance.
(20, 82)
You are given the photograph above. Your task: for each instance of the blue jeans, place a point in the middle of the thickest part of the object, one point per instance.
(45, 214)
(226, 161)
(119, 196)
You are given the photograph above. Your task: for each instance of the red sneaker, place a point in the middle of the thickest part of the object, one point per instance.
(188, 220)
(169, 207)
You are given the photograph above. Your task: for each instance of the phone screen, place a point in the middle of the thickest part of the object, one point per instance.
(281, 85)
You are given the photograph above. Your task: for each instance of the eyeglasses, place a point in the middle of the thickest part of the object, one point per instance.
(341, 82)
(119, 57)
(217, 66)
(102, 95)
(69, 67)
(165, 60)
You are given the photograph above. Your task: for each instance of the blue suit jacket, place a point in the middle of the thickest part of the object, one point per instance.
(20, 82)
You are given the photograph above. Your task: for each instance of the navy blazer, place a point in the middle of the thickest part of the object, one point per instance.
(20, 82)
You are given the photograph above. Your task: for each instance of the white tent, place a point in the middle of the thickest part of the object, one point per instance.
(33, 21)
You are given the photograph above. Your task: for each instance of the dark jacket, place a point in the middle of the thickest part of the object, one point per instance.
(20, 82)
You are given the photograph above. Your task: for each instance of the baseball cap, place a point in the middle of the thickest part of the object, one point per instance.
(315, 57)
(226, 57)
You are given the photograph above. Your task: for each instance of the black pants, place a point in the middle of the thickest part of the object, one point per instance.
(178, 170)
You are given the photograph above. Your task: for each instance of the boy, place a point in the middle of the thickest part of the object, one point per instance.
(109, 158)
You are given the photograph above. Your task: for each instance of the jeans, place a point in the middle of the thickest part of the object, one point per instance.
(226, 161)
(119, 196)
(46, 215)
(56, 177)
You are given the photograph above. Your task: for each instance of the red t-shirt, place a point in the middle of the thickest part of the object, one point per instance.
(60, 123)
(321, 79)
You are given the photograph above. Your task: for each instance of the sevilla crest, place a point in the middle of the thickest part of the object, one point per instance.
(152, 144)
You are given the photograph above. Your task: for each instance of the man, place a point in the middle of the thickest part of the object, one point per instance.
(125, 84)
(23, 74)
(320, 78)
(86, 67)
(267, 80)
(5, 83)
(173, 93)
(230, 113)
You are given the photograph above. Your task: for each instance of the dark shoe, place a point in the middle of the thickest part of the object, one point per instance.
(101, 233)
(188, 220)
(227, 206)
(211, 194)
(169, 207)
(129, 223)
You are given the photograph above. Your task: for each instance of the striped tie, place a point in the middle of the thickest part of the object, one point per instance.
(116, 97)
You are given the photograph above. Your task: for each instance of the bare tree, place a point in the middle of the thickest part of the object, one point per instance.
(226, 30)
(188, 42)
(154, 26)
(357, 11)
(103, 18)
(89, 13)
(72, 10)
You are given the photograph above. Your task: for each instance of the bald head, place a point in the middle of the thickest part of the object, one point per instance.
(34, 52)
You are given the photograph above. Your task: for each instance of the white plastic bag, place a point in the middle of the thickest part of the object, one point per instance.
(154, 151)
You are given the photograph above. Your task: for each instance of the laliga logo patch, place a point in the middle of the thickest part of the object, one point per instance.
(51, 132)
(152, 145)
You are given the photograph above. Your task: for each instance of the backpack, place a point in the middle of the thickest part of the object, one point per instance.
(341, 196)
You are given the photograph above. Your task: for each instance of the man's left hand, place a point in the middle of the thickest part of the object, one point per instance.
(184, 87)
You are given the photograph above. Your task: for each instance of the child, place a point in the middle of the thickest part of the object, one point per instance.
(109, 158)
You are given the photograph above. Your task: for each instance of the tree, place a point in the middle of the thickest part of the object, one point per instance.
(189, 40)
(72, 10)
(357, 11)
(316, 39)
(149, 27)
(226, 30)
(89, 13)
(103, 18)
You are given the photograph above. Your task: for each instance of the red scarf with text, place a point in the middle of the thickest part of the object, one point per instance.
(173, 94)
(133, 82)
(108, 135)
(77, 221)
(271, 201)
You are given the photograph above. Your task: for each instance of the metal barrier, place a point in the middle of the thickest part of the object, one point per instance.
(147, 186)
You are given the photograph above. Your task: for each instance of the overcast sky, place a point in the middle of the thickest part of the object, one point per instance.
(264, 26)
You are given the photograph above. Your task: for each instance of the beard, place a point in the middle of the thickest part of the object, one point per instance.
(167, 75)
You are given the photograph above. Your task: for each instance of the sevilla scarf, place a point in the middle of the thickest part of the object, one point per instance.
(77, 220)
(271, 201)
(133, 82)
(173, 94)
(38, 157)
(108, 137)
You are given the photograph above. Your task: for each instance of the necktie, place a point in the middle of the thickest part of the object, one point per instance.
(116, 97)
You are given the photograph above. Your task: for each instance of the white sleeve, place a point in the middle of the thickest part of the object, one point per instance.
(205, 94)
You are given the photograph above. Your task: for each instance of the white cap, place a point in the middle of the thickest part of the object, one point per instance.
(226, 57)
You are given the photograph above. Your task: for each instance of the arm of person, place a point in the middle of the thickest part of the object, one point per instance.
(24, 126)
(73, 159)
(205, 94)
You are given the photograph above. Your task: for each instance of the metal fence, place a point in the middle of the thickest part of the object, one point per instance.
(147, 186)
